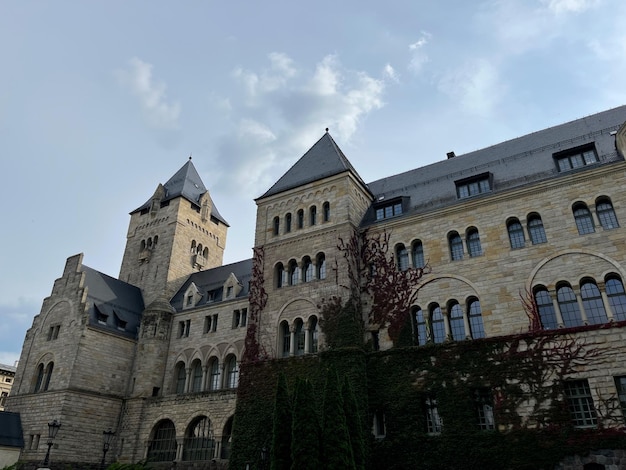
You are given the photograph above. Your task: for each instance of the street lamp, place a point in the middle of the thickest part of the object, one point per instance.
(107, 437)
(53, 429)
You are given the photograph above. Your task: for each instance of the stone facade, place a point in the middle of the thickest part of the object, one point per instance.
(167, 387)
(7, 376)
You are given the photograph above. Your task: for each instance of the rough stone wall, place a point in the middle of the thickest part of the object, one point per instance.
(611, 459)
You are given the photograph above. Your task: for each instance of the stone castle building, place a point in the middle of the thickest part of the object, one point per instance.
(155, 354)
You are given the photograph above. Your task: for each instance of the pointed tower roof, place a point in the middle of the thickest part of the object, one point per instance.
(322, 160)
(186, 183)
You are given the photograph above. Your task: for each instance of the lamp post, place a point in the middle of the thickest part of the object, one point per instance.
(107, 437)
(53, 429)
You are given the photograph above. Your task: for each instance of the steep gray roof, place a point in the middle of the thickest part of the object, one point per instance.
(322, 160)
(210, 283)
(514, 163)
(186, 183)
(121, 303)
(7, 368)
(11, 434)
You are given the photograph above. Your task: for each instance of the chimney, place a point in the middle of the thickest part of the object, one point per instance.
(450, 155)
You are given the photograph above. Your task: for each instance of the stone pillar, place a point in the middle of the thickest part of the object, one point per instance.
(446, 323)
(292, 340)
(557, 310)
(605, 301)
(579, 300)
(307, 339)
(187, 379)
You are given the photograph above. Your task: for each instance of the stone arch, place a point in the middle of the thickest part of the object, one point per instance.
(442, 288)
(56, 313)
(300, 305)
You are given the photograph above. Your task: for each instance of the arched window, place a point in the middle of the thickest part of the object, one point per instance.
(545, 306)
(307, 269)
(214, 368)
(205, 252)
(321, 266)
(193, 246)
(402, 257)
(584, 221)
(475, 317)
(299, 337)
(285, 336)
(199, 441)
(606, 214)
(162, 446)
(417, 250)
(276, 225)
(592, 303)
(232, 372)
(456, 246)
(516, 234)
(288, 222)
(226, 438)
(39, 379)
(47, 376)
(196, 384)
(535, 229)
(301, 218)
(617, 297)
(420, 329)
(569, 306)
(181, 377)
(457, 325)
(326, 211)
(473, 242)
(156, 240)
(294, 272)
(437, 324)
(149, 244)
(312, 215)
(199, 249)
(279, 275)
(142, 245)
(313, 334)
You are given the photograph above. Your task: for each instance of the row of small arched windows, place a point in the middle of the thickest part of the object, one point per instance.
(199, 442)
(591, 304)
(198, 249)
(299, 221)
(299, 338)
(585, 223)
(149, 243)
(305, 271)
(451, 322)
(43, 376)
(212, 376)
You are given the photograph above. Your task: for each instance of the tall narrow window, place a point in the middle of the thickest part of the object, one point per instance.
(276, 225)
(301, 218)
(580, 403)
(437, 324)
(484, 409)
(39, 379)
(294, 272)
(312, 215)
(473, 243)
(516, 234)
(546, 309)
(456, 246)
(434, 424)
(477, 328)
(215, 374)
(420, 329)
(402, 257)
(617, 297)
(321, 266)
(568, 306)
(457, 325)
(620, 385)
(196, 384)
(535, 229)
(307, 269)
(326, 211)
(299, 336)
(181, 377)
(233, 372)
(280, 275)
(584, 221)
(285, 335)
(592, 303)
(606, 214)
(47, 376)
(313, 334)
(418, 254)
(288, 222)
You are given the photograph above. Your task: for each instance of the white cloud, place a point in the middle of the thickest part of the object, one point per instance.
(476, 85)
(152, 95)
(276, 76)
(327, 77)
(570, 6)
(390, 73)
(418, 55)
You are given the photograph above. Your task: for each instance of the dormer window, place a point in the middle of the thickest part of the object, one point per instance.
(469, 187)
(576, 158)
(388, 209)
(192, 296)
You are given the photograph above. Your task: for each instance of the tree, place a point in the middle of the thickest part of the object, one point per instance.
(281, 433)
(336, 447)
(305, 434)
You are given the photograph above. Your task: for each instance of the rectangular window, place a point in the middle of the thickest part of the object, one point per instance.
(576, 158)
(388, 210)
(580, 403)
(236, 318)
(244, 317)
(473, 186)
(3, 398)
(207, 324)
(484, 409)
(434, 424)
(214, 323)
(620, 385)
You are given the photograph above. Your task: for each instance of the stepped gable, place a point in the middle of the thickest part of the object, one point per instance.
(121, 303)
(185, 183)
(322, 160)
(210, 283)
(514, 163)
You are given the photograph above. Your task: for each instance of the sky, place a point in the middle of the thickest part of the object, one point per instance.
(101, 101)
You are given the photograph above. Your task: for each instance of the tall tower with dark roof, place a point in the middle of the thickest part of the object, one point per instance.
(178, 231)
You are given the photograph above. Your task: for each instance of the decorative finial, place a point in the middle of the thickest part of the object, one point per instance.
(327, 130)
(189, 155)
